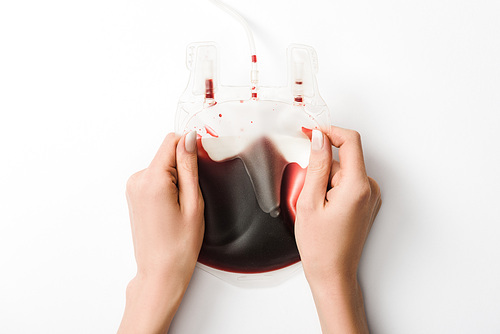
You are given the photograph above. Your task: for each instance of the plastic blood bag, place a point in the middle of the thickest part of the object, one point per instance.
(253, 151)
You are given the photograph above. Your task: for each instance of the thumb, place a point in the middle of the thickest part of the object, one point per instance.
(187, 170)
(318, 172)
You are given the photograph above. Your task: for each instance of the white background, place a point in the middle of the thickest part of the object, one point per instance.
(89, 89)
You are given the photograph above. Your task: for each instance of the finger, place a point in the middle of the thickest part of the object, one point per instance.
(333, 174)
(335, 167)
(187, 170)
(350, 150)
(165, 157)
(318, 172)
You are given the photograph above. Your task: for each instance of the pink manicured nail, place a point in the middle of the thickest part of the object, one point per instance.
(190, 141)
(317, 140)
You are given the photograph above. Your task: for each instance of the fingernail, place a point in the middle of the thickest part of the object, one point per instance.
(190, 141)
(317, 140)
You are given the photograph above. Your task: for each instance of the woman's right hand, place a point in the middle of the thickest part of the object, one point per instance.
(335, 212)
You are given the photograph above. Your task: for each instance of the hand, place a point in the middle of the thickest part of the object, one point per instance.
(335, 212)
(166, 215)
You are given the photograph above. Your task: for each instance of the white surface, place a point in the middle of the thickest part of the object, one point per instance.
(89, 89)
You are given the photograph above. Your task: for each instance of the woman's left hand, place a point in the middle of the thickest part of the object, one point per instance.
(166, 214)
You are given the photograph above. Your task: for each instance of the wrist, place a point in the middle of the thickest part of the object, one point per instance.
(173, 269)
(163, 285)
(151, 303)
(339, 302)
(332, 283)
(322, 274)
(158, 284)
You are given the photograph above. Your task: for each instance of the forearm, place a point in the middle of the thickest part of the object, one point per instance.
(339, 302)
(151, 304)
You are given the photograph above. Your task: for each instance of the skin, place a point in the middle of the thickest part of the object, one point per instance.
(335, 211)
(166, 215)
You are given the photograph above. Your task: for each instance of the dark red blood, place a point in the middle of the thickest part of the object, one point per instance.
(298, 82)
(254, 58)
(239, 236)
(209, 89)
(298, 99)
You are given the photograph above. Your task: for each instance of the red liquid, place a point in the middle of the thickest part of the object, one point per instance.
(209, 89)
(239, 235)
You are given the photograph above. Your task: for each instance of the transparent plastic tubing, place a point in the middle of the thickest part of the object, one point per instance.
(254, 73)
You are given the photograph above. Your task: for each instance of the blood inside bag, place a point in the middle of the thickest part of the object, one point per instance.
(249, 209)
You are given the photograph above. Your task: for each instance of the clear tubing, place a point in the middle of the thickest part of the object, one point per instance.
(240, 19)
(254, 74)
